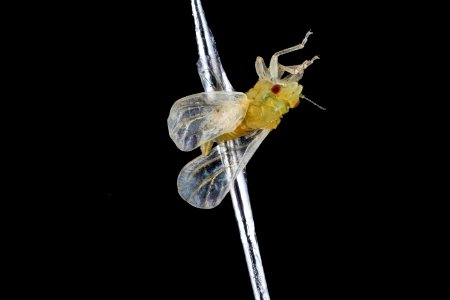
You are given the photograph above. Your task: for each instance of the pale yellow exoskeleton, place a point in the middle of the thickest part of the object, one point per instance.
(200, 120)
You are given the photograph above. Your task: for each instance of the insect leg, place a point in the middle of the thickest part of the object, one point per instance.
(261, 69)
(297, 70)
(206, 147)
(289, 69)
(273, 67)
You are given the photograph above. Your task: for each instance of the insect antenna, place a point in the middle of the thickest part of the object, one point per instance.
(321, 107)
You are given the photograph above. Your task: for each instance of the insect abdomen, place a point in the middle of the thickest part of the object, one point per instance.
(238, 132)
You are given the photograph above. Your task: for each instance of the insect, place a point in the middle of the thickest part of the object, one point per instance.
(208, 118)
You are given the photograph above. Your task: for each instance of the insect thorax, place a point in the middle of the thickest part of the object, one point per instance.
(266, 106)
(268, 102)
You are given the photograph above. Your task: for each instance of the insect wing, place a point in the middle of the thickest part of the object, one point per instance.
(199, 118)
(206, 180)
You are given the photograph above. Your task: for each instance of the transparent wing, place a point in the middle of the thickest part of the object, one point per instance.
(206, 180)
(199, 118)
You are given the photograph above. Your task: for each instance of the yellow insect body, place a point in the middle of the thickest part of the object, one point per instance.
(267, 103)
(200, 120)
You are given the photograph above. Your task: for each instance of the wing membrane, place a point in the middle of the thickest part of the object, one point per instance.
(205, 181)
(199, 118)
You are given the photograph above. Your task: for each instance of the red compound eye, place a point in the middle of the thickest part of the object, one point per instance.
(276, 89)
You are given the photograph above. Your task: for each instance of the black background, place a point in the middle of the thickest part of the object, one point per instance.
(119, 227)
